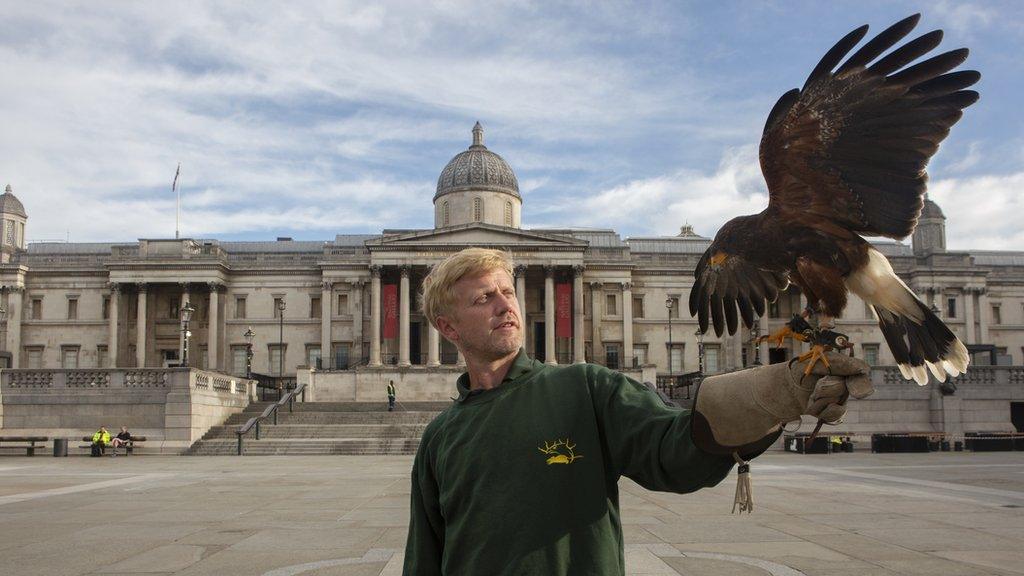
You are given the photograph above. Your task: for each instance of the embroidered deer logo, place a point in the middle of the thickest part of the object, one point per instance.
(560, 452)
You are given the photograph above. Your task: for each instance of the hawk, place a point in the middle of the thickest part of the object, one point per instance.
(844, 157)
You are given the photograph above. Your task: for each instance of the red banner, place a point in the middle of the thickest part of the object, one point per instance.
(389, 306)
(563, 310)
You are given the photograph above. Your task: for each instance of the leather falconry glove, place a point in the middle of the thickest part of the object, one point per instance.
(743, 412)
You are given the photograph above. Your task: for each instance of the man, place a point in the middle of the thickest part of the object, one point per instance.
(123, 438)
(391, 396)
(520, 475)
(100, 439)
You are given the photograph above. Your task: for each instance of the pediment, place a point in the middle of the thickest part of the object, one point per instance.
(482, 235)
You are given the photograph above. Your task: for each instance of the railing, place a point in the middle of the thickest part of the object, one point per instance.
(672, 384)
(271, 410)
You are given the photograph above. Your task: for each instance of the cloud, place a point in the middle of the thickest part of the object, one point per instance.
(982, 212)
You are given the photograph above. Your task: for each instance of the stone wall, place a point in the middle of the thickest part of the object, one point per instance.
(172, 407)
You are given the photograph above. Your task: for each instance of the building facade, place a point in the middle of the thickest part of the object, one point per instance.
(352, 303)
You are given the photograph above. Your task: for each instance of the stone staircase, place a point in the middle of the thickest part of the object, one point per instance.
(342, 428)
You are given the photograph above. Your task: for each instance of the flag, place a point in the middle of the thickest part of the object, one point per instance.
(563, 310)
(174, 185)
(390, 298)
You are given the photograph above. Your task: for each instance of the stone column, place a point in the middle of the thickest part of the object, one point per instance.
(326, 294)
(213, 333)
(403, 317)
(140, 327)
(433, 346)
(549, 315)
(983, 314)
(578, 354)
(375, 315)
(356, 302)
(14, 317)
(112, 340)
(595, 324)
(520, 272)
(627, 324)
(968, 316)
(185, 299)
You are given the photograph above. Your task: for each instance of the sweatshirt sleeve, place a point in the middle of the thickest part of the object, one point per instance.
(425, 543)
(647, 441)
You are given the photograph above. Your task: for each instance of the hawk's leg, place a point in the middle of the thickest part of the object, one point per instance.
(797, 329)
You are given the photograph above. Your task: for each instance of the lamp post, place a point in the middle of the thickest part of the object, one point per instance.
(3, 318)
(249, 337)
(280, 348)
(186, 317)
(670, 302)
(755, 335)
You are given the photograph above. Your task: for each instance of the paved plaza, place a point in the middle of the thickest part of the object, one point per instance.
(844, 514)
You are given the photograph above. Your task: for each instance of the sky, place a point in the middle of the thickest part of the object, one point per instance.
(314, 119)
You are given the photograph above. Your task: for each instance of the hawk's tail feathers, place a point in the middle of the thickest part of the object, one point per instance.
(918, 346)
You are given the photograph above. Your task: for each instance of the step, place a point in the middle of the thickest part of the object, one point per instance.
(327, 446)
(325, 431)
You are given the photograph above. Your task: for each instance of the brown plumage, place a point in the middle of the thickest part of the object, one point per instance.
(845, 156)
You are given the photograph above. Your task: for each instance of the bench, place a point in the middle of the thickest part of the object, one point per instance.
(128, 447)
(30, 449)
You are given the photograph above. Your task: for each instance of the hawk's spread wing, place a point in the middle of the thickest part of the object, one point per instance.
(847, 153)
(725, 280)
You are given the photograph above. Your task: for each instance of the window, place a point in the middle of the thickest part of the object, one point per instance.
(275, 365)
(951, 307)
(101, 356)
(773, 309)
(478, 209)
(37, 308)
(133, 361)
(868, 312)
(711, 358)
(675, 363)
(238, 357)
(610, 305)
(870, 354)
(997, 314)
(313, 356)
(508, 214)
(639, 355)
(341, 355)
(34, 356)
(638, 306)
(173, 308)
(673, 312)
(204, 356)
(342, 304)
(72, 308)
(239, 307)
(314, 307)
(106, 307)
(445, 214)
(277, 306)
(611, 356)
(69, 357)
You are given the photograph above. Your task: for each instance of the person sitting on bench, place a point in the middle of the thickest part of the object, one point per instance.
(123, 438)
(99, 441)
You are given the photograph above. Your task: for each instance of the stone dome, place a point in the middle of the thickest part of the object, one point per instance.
(477, 169)
(931, 210)
(9, 204)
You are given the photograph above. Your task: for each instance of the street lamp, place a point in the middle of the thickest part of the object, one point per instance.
(249, 337)
(755, 336)
(280, 348)
(700, 350)
(186, 317)
(669, 303)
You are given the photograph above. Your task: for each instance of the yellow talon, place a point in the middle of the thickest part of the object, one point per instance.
(817, 353)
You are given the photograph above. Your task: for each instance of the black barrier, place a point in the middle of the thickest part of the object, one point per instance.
(905, 443)
(799, 444)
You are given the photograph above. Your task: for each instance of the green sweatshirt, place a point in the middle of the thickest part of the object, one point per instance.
(522, 479)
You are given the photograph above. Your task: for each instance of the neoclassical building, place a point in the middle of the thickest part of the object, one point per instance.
(350, 303)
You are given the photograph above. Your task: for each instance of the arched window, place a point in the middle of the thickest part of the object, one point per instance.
(444, 214)
(478, 209)
(508, 214)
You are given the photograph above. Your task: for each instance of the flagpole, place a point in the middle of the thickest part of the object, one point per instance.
(177, 203)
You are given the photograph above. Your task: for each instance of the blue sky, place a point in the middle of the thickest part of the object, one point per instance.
(309, 121)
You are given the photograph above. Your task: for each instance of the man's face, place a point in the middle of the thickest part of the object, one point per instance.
(485, 320)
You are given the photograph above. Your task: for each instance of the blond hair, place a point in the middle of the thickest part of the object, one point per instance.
(439, 285)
